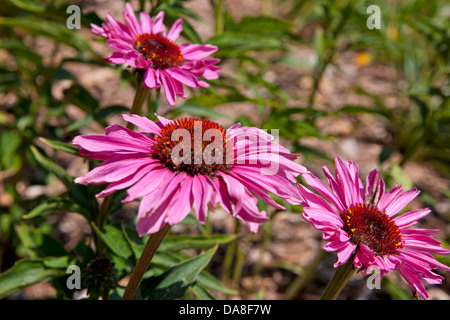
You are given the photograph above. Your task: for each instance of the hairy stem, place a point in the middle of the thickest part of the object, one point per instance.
(146, 257)
(342, 274)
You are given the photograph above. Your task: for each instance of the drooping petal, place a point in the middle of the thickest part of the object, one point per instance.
(201, 192)
(169, 88)
(183, 76)
(409, 218)
(100, 143)
(183, 202)
(151, 79)
(115, 169)
(149, 183)
(116, 58)
(344, 254)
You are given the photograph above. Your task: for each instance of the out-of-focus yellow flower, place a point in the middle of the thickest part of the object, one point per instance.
(363, 59)
(392, 33)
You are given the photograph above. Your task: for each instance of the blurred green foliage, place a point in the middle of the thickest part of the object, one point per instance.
(36, 126)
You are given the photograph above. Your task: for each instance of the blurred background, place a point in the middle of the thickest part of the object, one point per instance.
(314, 70)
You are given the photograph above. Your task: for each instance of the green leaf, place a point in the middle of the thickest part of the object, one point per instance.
(52, 167)
(50, 29)
(232, 43)
(208, 281)
(357, 109)
(82, 98)
(262, 25)
(319, 45)
(97, 115)
(56, 205)
(180, 242)
(29, 5)
(399, 176)
(394, 290)
(115, 239)
(10, 143)
(57, 145)
(202, 293)
(19, 50)
(175, 282)
(27, 272)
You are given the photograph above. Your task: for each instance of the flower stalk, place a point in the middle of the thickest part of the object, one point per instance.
(139, 97)
(341, 276)
(146, 257)
(138, 101)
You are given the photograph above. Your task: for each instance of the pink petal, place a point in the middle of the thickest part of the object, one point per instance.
(158, 25)
(101, 143)
(272, 183)
(175, 30)
(201, 192)
(388, 197)
(197, 51)
(401, 201)
(99, 31)
(115, 169)
(146, 22)
(345, 182)
(135, 60)
(151, 79)
(116, 58)
(183, 204)
(119, 45)
(414, 282)
(249, 211)
(122, 184)
(131, 20)
(409, 218)
(144, 124)
(164, 196)
(324, 191)
(257, 190)
(163, 120)
(345, 254)
(118, 30)
(154, 179)
(179, 89)
(169, 88)
(183, 76)
(148, 223)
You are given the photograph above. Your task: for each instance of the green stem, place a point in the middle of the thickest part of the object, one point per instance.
(146, 257)
(139, 97)
(230, 255)
(259, 265)
(220, 24)
(330, 54)
(342, 274)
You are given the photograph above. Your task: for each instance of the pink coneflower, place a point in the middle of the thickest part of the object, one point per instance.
(175, 165)
(364, 223)
(146, 45)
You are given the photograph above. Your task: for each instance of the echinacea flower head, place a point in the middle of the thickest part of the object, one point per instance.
(365, 223)
(175, 165)
(145, 44)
